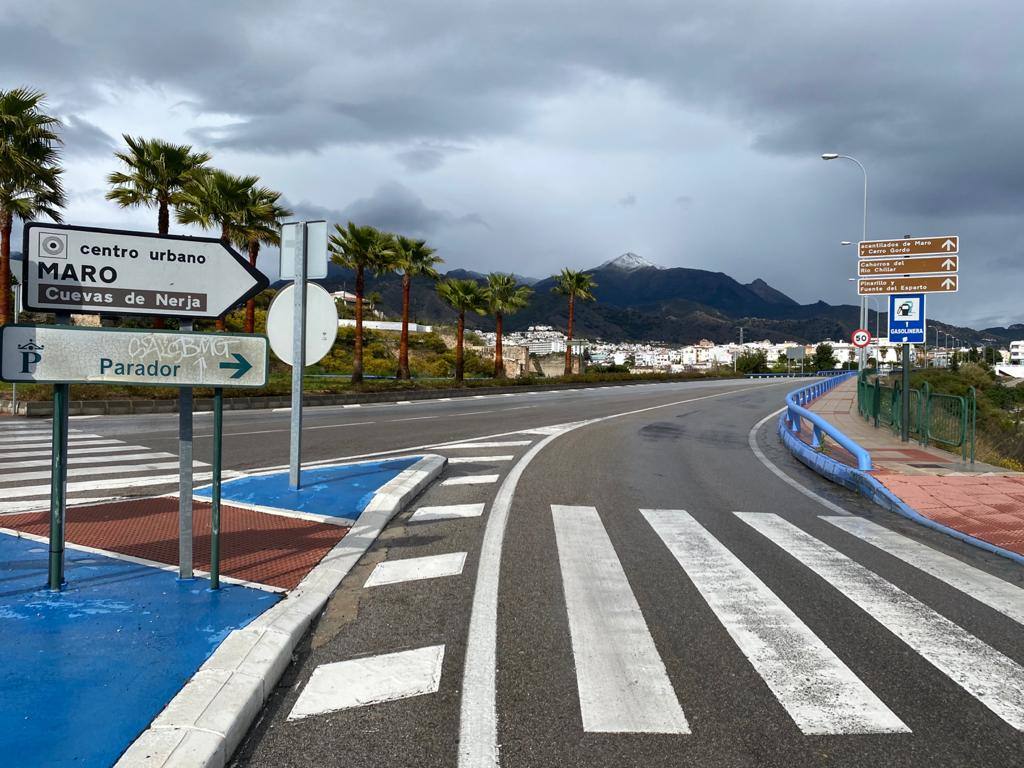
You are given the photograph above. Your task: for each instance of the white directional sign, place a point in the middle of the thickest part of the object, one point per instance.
(82, 269)
(79, 355)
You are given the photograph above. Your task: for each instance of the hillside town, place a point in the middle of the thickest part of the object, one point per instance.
(540, 341)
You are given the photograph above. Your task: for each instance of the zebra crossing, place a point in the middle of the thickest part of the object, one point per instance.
(99, 467)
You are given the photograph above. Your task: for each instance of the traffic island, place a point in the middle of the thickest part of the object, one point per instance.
(978, 503)
(128, 639)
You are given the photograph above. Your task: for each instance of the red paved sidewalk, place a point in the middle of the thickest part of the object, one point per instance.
(981, 500)
(268, 549)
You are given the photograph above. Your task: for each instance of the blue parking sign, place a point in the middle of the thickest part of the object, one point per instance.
(906, 318)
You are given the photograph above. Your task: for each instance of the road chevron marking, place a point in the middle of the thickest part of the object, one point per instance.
(992, 678)
(416, 569)
(820, 693)
(622, 681)
(447, 512)
(478, 718)
(370, 680)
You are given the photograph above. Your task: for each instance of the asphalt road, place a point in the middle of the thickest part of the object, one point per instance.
(613, 608)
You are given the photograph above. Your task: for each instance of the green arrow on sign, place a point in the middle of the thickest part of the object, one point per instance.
(241, 366)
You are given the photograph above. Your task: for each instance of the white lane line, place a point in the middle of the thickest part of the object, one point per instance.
(75, 460)
(116, 482)
(470, 446)
(18, 477)
(281, 410)
(447, 512)
(416, 569)
(403, 402)
(479, 459)
(985, 588)
(478, 713)
(471, 480)
(352, 405)
(370, 680)
(770, 466)
(992, 678)
(622, 681)
(820, 693)
(411, 418)
(108, 449)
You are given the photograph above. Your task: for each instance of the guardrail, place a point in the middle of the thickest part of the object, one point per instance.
(796, 412)
(797, 375)
(949, 420)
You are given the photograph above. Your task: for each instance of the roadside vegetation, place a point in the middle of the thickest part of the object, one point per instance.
(1000, 434)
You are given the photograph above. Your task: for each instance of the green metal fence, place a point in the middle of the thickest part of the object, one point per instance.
(947, 420)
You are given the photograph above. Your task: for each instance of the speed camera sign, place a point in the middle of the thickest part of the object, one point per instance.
(861, 338)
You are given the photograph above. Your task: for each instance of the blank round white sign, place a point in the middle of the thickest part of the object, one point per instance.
(321, 323)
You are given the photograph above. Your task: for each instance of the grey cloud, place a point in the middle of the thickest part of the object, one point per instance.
(421, 159)
(392, 207)
(628, 201)
(683, 201)
(83, 139)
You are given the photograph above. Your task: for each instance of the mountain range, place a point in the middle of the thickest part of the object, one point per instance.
(640, 301)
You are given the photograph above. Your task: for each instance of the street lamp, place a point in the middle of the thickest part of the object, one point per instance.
(864, 231)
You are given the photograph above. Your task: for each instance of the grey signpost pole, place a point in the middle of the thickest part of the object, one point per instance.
(905, 413)
(218, 443)
(58, 475)
(298, 358)
(185, 476)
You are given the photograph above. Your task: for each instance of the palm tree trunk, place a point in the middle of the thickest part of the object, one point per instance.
(163, 226)
(568, 341)
(250, 305)
(225, 237)
(459, 361)
(6, 224)
(403, 344)
(357, 353)
(499, 359)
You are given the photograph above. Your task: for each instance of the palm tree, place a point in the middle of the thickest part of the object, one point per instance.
(576, 285)
(260, 223)
(414, 258)
(217, 199)
(30, 183)
(504, 297)
(361, 248)
(156, 171)
(463, 296)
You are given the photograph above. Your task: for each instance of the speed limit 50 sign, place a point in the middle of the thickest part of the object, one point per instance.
(860, 338)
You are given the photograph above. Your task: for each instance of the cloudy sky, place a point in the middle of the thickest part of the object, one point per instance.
(529, 135)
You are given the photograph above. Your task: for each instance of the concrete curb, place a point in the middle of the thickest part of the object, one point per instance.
(208, 718)
(869, 487)
(44, 408)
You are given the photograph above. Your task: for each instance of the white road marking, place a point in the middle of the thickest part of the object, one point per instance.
(447, 512)
(370, 680)
(469, 446)
(25, 492)
(479, 459)
(107, 470)
(471, 480)
(622, 681)
(31, 438)
(403, 402)
(820, 693)
(411, 418)
(478, 714)
(770, 466)
(72, 443)
(992, 678)
(416, 569)
(992, 591)
(119, 448)
(74, 460)
(352, 405)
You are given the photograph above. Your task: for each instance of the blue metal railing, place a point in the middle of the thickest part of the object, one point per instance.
(796, 412)
(797, 375)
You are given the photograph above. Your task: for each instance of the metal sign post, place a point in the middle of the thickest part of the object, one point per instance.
(218, 440)
(298, 358)
(185, 476)
(905, 411)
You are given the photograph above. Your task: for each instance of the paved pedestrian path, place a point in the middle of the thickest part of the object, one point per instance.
(979, 499)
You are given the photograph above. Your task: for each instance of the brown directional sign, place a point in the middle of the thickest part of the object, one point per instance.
(924, 265)
(946, 245)
(929, 284)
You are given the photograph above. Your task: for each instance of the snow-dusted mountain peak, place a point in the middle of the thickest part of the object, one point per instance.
(630, 261)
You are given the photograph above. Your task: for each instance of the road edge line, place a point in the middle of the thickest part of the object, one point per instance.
(209, 717)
